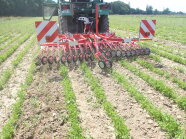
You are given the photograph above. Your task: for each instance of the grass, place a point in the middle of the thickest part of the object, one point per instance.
(121, 129)
(10, 126)
(166, 122)
(157, 85)
(70, 99)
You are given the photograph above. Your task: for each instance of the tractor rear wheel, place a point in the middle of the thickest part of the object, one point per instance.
(103, 24)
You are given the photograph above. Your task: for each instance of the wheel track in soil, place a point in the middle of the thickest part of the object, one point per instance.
(141, 125)
(44, 114)
(170, 84)
(165, 104)
(94, 121)
(8, 62)
(8, 94)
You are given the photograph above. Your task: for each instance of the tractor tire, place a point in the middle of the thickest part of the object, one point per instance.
(103, 24)
(64, 24)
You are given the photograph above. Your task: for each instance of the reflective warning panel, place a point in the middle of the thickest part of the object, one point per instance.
(47, 31)
(147, 29)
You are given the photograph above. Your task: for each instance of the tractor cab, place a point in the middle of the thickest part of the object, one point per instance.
(76, 15)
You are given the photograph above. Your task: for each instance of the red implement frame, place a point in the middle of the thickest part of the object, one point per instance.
(100, 45)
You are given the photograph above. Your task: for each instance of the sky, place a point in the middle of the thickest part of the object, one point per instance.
(173, 5)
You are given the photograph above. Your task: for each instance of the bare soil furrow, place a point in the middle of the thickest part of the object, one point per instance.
(7, 63)
(141, 125)
(8, 94)
(12, 41)
(156, 98)
(44, 114)
(94, 121)
(171, 64)
(171, 43)
(170, 84)
(171, 70)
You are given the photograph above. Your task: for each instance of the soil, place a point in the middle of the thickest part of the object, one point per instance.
(14, 43)
(44, 114)
(171, 70)
(7, 41)
(170, 84)
(171, 64)
(9, 93)
(94, 121)
(171, 43)
(141, 125)
(8, 63)
(156, 98)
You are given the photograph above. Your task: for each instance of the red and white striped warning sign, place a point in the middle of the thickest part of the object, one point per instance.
(47, 31)
(147, 29)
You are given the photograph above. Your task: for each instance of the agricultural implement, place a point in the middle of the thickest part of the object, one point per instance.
(82, 34)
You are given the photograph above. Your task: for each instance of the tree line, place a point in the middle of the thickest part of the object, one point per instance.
(34, 8)
(21, 7)
(119, 7)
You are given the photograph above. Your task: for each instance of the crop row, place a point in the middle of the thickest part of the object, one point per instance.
(175, 58)
(157, 58)
(11, 50)
(9, 128)
(151, 67)
(175, 30)
(7, 74)
(9, 42)
(157, 85)
(4, 38)
(119, 123)
(71, 105)
(170, 49)
(165, 121)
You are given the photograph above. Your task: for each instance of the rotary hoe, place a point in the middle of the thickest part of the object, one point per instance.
(82, 34)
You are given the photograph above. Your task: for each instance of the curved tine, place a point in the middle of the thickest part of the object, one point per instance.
(120, 46)
(88, 46)
(124, 45)
(64, 49)
(41, 52)
(114, 44)
(75, 50)
(81, 49)
(45, 51)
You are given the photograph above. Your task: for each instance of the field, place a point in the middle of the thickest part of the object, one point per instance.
(140, 98)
